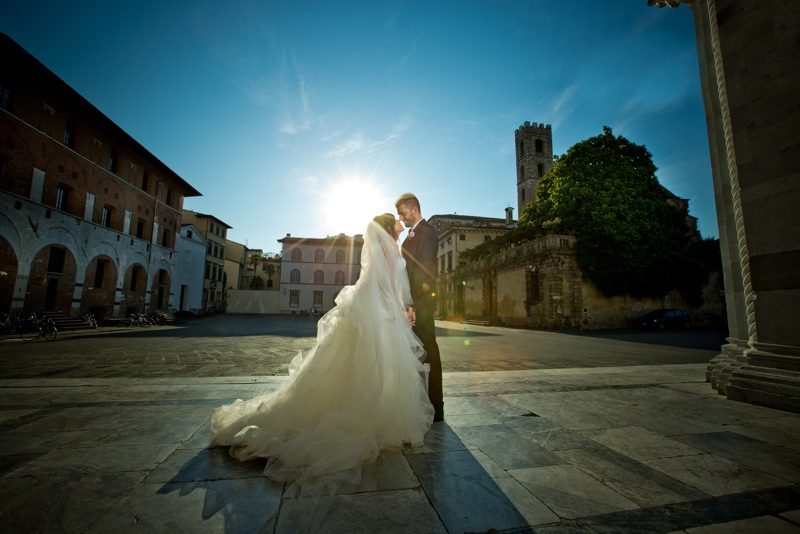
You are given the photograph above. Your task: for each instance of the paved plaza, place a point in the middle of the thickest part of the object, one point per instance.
(89, 443)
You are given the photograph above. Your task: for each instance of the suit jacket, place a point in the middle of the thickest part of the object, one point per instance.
(419, 252)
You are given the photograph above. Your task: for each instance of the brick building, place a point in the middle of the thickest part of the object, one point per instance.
(89, 216)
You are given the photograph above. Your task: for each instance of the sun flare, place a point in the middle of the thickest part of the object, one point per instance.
(350, 204)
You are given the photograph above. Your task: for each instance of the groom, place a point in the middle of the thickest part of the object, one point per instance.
(419, 250)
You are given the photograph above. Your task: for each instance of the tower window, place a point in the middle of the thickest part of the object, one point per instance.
(539, 146)
(541, 170)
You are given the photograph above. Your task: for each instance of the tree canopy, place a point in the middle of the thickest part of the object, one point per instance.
(605, 192)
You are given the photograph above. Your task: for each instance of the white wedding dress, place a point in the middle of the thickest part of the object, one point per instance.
(358, 391)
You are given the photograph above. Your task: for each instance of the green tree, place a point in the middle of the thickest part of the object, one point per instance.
(255, 259)
(605, 192)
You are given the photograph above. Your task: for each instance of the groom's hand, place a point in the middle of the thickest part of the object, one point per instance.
(412, 315)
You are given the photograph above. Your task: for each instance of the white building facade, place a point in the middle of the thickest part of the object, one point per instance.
(191, 251)
(314, 271)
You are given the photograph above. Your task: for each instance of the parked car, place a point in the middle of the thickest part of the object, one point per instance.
(667, 319)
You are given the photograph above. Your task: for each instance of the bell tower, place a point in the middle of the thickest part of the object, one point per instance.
(534, 144)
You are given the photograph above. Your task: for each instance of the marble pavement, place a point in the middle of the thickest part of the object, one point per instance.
(622, 449)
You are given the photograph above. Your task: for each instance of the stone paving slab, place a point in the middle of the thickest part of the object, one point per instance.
(631, 449)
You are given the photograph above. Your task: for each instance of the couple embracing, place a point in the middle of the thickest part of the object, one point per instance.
(360, 390)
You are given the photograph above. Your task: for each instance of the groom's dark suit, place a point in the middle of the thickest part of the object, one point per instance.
(419, 252)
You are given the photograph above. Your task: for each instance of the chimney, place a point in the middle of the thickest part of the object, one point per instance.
(509, 215)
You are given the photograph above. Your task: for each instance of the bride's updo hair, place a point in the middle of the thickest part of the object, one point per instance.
(386, 221)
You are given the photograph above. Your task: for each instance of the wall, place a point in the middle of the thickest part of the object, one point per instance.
(245, 301)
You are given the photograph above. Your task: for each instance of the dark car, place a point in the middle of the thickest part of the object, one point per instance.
(667, 319)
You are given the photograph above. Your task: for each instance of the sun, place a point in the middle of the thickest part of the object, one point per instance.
(351, 203)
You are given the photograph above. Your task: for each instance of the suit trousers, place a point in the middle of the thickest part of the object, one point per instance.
(425, 329)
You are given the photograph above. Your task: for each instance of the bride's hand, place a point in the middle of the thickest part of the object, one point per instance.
(412, 315)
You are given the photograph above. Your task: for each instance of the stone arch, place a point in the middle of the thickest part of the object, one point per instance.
(9, 267)
(9, 230)
(133, 292)
(100, 286)
(51, 283)
(159, 290)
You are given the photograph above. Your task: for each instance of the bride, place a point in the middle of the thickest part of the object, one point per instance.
(360, 390)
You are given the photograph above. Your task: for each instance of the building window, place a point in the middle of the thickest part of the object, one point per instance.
(140, 229)
(294, 298)
(189, 234)
(539, 146)
(62, 198)
(145, 181)
(112, 161)
(487, 238)
(319, 256)
(210, 249)
(108, 213)
(99, 273)
(69, 134)
(449, 261)
(319, 278)
(318, 299)
(297, 255)
(5, 97)
(339, 278)
(165, 238)
(134, 278)
(208, 270)
(168, 202)
(294, 276)
(340, 256)
(462, 237)
(441, 263)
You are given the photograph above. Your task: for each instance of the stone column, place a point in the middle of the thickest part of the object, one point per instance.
(748, 64)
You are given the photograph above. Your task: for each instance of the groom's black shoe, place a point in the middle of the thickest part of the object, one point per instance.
(438, 417)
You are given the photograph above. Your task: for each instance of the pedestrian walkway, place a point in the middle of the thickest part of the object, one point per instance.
(623, 449)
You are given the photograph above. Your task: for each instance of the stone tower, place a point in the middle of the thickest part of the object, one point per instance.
(534, 143)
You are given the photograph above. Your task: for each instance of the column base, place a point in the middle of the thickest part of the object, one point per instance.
(770, 377)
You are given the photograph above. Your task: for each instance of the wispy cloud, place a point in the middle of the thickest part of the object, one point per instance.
(563, 104)
(259, 62)
(358, 143)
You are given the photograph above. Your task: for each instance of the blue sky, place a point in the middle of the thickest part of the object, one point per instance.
(274, 109)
